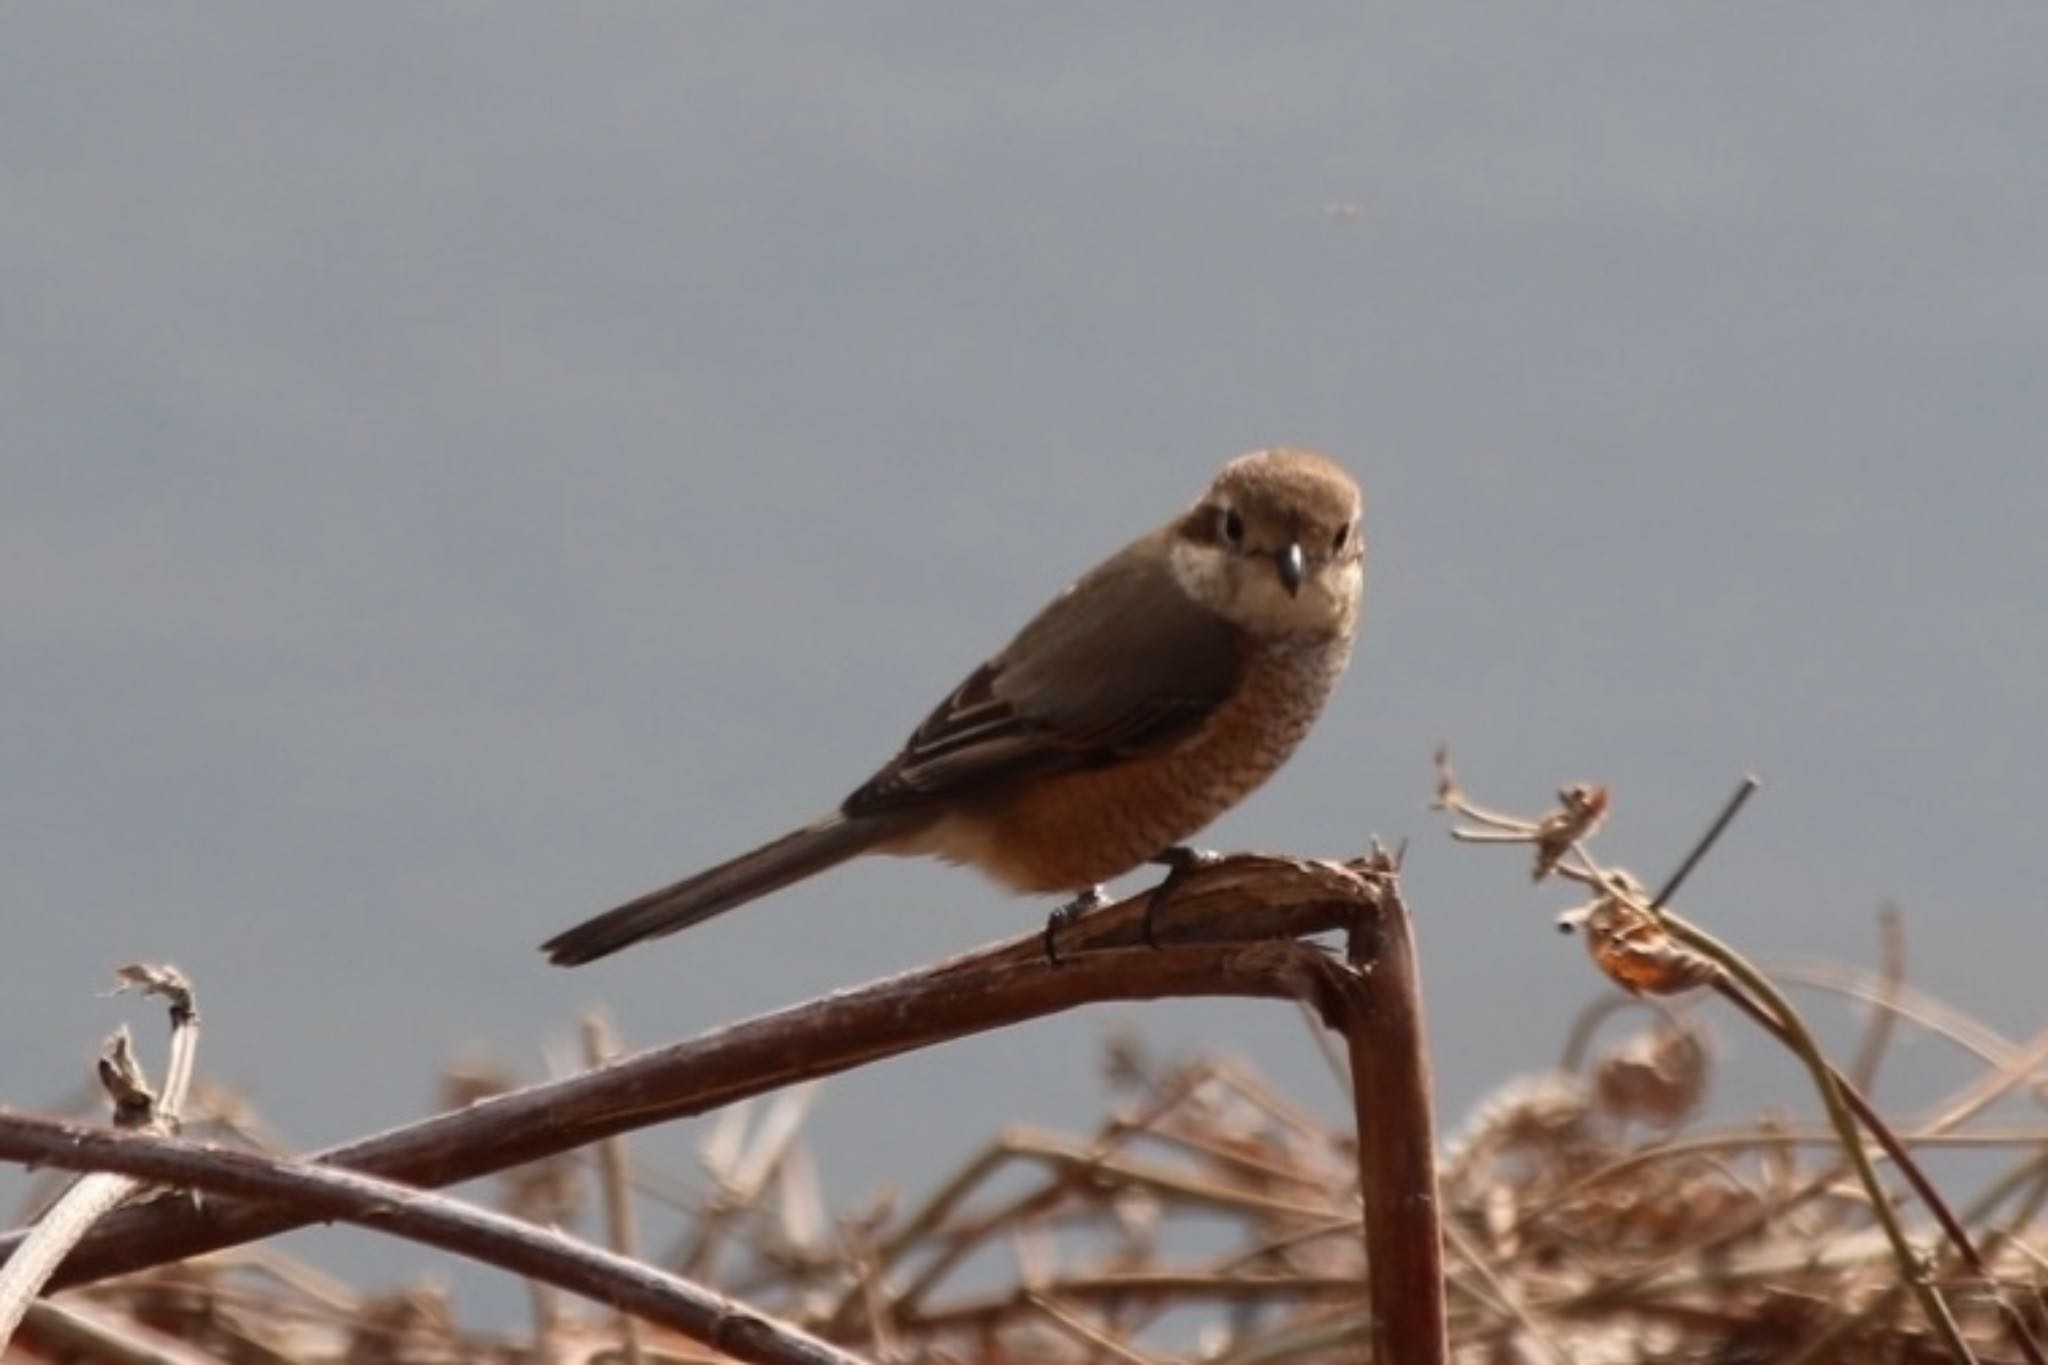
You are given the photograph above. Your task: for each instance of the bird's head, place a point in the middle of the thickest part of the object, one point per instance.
(1274, 545)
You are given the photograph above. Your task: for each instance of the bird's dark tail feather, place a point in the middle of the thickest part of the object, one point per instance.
(799, 854)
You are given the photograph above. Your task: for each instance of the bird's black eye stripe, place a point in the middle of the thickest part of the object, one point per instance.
(1233, 526)
(1343, 534)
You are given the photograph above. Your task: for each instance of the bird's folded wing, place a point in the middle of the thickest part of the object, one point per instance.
(1121, 664)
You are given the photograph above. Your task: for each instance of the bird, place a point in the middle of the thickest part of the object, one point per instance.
(1155, 693)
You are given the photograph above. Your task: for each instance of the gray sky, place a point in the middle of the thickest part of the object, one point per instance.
(465, 464)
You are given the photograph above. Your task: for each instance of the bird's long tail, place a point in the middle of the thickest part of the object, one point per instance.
(799, 854)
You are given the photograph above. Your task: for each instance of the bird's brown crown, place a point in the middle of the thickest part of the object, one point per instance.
(1287, 480)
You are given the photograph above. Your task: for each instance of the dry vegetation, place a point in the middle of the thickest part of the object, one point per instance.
(1589, 1214)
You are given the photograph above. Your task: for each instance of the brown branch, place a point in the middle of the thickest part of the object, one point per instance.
(312, 1192)
(1212, 915)
(1381, 1020)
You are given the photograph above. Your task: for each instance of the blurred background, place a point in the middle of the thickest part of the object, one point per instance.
(466, 464)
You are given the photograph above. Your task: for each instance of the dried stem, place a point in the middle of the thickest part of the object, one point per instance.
(310, 1192)
(1645, 947)
(1891, 937)
(97, 1193)
(1382, 1024)
(614, 1171)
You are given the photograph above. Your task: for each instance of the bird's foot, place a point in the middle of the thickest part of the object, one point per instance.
(1178, 861)
(1094, 898)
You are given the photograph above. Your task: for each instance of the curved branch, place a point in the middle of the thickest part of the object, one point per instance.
(1212, 915)
(311, 1192)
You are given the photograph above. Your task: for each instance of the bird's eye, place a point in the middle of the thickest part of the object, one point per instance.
(1343, 534)
(1233, 527)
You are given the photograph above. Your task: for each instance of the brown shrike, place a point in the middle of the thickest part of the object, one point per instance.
(1143, 702)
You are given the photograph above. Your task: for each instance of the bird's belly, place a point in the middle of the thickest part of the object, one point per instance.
(1072, 830)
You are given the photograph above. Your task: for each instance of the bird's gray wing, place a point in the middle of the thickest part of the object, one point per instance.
(1122, 663)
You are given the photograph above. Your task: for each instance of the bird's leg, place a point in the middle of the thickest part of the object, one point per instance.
(1178, 861)
(1094, 898)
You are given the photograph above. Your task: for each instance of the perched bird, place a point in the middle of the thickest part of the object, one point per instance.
(1147, 699)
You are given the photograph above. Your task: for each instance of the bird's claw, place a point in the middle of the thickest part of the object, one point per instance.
(1179, 861)
(1094, 898)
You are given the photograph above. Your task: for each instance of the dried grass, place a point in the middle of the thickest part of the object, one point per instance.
(1592, 1213)
(1592, 1216)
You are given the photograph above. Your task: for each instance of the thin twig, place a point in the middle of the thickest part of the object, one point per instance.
(96, 1194)
(600, 1047)
(1884, 1013)
(90, 1332)
(1743, 791)
(1080, 1329)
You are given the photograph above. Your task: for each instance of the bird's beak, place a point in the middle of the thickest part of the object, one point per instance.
(1288, 560)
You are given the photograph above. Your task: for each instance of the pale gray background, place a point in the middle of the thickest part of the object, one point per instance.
(466, 463)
